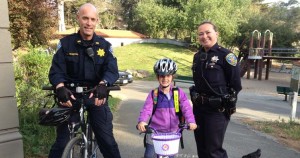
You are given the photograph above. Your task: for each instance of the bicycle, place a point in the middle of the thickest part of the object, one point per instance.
(166, 144)
(82, 143)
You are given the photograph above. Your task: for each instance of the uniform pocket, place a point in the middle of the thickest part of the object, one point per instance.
(214, 73)
(72, 64)
(99, 62)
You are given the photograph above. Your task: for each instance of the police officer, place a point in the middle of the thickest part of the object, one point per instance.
(86, 59)
(217, 82)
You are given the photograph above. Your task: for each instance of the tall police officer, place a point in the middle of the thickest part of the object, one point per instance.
(86, 59)
(217, 82)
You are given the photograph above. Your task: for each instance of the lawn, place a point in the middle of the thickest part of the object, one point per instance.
(144, 56)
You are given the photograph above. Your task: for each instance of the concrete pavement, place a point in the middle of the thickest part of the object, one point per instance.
(257, 100)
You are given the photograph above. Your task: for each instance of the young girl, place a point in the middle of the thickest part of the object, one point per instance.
(164, 118)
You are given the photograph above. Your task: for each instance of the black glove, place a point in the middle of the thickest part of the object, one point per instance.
(100, 91)
(63, 94)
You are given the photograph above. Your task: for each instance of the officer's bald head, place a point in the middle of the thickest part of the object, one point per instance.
(87, 18)
(87, 6)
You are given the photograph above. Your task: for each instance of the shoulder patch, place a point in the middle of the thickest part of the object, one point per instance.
(231, 59)
(111, 51)
(58, 46)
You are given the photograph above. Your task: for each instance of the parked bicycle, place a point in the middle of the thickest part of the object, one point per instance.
(166, 144)
(82, 143)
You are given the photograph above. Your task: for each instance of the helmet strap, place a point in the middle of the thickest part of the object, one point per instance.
(165, 86)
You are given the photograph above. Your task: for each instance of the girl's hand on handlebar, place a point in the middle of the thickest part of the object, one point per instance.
(141, 126)
(192, 126)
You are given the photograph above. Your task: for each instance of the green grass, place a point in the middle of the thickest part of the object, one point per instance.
(286, 132)
(144, 56)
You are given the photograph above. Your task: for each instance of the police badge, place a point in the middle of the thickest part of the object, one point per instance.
(214, 59)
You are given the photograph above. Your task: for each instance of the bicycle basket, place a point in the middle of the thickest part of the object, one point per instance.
(166, 144)
(54, 116)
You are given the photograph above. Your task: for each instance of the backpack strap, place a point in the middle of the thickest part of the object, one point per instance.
(154, 98)
(176, 99)
(178, 111)
(177, 104)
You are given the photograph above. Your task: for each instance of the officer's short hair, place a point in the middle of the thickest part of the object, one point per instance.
(209, 22)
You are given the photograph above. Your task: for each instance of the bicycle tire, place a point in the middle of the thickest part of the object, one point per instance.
(74, 148)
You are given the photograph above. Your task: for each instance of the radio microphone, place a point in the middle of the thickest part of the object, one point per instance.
(90, 53)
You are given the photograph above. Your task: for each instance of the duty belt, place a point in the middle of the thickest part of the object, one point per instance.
(211, 101)
(203, 99)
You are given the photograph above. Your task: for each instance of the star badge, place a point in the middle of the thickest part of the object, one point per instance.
(214, 59)
(100, 52)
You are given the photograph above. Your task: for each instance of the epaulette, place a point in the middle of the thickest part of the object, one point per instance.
(222, 49)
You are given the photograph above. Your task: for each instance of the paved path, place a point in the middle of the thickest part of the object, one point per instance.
(257, 100)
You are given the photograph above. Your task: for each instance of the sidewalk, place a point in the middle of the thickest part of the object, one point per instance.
(259, 99)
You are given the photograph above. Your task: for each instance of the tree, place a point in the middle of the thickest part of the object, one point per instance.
(154, 19)
(18, 17)
(109, 11)
(31, 21)
(128, 11)
(181, 17)
(283, 19)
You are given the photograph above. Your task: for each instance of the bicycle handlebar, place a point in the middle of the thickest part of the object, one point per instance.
(48, 88)
(150, 130)
(110, 88)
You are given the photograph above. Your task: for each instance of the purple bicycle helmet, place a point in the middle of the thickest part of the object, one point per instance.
(165, 66)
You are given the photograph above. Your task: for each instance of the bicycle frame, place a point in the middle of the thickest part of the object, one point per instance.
(83, 124)
(85, 141)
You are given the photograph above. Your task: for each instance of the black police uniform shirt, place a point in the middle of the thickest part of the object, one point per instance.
(219, 68)
(72, 63)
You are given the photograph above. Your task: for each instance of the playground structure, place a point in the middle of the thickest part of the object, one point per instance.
(261, 53)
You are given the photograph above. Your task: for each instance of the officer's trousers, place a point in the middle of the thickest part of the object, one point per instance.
(210, 135)
(101, 122)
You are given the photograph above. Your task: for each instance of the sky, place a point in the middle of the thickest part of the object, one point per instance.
(268, 1)
(271, 1)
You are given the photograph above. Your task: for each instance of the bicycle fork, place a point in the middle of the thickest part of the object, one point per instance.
(85, 144)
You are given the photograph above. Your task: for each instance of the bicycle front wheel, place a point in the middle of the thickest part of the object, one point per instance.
(74, 149)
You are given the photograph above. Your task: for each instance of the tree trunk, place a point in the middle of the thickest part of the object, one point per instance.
(61, 17)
